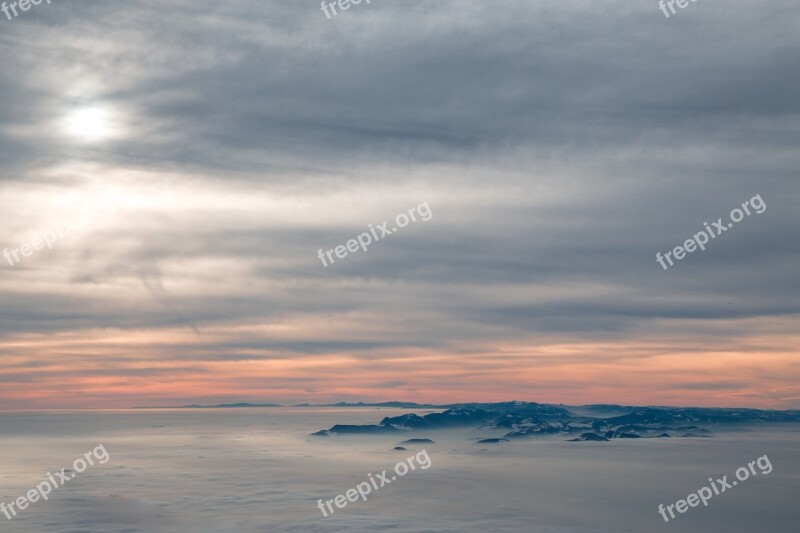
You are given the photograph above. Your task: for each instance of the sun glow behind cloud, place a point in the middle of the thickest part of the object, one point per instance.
(92, 124)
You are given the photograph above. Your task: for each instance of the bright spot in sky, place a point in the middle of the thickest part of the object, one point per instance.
(90, 124)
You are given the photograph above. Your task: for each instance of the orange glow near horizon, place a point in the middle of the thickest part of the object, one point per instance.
(114, 369)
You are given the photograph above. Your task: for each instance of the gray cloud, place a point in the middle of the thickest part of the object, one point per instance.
(559, 144)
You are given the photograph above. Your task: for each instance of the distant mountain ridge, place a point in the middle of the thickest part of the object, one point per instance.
(219, 406)
(398, 405)
(529, 419)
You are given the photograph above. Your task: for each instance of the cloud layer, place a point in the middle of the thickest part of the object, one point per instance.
(560, 145)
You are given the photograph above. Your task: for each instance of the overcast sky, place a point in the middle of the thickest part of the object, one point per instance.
(559, 145)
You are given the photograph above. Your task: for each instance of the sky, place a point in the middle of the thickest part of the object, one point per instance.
(194, 157)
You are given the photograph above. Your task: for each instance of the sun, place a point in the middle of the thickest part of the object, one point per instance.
(90, 124)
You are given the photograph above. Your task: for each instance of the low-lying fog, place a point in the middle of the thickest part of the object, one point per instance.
(248, 470)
